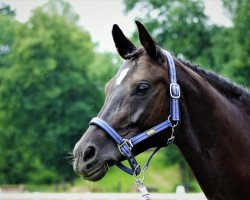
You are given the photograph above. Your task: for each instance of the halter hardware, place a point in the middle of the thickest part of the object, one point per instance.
(175, 91)
(125, 145)
(139, 184)
(172, 137)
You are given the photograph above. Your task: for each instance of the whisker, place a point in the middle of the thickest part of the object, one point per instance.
(70, 157)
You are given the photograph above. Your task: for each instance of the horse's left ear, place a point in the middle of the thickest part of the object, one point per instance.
(146, 40)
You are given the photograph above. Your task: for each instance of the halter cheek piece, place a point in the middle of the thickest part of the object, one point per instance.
(125, 146)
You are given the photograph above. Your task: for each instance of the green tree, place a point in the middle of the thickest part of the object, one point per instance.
(180, 26)
(231, 7)
(7, 35)
(5, 9)
(48, 95)
(238, 67)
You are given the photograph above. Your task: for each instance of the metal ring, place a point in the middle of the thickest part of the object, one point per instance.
(172, 125)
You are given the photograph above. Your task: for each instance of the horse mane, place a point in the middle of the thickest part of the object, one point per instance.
(226, 86)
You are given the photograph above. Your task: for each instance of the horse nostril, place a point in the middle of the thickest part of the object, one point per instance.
(88, 153)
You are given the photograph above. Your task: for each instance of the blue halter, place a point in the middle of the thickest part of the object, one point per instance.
(125, 146)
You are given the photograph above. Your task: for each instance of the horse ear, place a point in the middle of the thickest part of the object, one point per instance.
(123, 45)
(146, 40)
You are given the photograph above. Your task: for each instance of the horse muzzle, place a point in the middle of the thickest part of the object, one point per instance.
(91, 162)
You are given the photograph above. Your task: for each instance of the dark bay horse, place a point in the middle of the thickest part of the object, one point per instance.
(213, 133)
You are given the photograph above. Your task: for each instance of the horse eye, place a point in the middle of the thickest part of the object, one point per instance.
(142, 88)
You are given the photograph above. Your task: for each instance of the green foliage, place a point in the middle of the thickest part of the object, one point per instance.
(7, 35)
(48, 95)
(5, 9)
(176, 25)
(231, 6)
(239, 65)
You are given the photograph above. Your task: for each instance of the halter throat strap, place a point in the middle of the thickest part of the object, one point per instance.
(125, 145)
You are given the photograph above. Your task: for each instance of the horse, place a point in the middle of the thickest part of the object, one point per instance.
(212, 129)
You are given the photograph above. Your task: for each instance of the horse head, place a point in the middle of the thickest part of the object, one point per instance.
(136, 99)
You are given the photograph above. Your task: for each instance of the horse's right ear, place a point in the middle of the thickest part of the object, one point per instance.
(123, 45)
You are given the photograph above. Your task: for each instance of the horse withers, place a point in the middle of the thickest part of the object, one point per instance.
(212, 131)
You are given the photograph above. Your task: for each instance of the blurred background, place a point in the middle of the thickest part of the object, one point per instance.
(57, 55)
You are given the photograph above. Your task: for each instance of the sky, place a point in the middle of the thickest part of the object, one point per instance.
(98, 16)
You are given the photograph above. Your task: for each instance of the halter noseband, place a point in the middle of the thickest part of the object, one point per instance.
(125, 145)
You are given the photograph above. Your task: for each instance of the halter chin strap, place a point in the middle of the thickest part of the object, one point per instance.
(125, 145)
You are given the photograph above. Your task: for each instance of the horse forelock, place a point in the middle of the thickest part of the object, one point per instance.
(135, 54)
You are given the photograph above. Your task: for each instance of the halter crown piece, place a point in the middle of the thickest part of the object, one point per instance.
(125, 145)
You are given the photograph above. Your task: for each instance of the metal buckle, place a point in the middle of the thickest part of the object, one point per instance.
(174, 90)
(125, 142)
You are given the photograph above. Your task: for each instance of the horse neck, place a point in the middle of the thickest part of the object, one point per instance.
(213, 136)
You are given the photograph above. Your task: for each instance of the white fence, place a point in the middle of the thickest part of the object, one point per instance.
(179, 195)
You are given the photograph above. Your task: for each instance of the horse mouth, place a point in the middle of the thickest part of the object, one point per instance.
(93, 172)
(96, 173)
